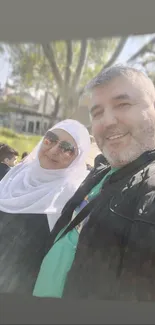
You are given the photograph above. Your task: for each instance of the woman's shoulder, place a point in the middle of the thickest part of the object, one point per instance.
(13, 222)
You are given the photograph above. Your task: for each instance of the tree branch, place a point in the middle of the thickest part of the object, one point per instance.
(151, 51)
(81, 62)
(68, 61)
(48, 51)
(142, 51)
(116, 53)
(53, 96)
(146, 62)
(56, 108)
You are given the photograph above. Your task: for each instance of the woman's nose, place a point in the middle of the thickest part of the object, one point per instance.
(55, 149)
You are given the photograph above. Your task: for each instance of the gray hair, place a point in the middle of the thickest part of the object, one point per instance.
(108, 74)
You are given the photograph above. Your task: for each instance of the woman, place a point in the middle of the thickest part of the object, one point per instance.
(38, 187)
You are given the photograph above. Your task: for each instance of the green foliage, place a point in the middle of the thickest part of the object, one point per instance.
(63, 67)
(19, 142)
(16, 99)
(8, 133)
(99, 52)
(31, 68)
(6, 107)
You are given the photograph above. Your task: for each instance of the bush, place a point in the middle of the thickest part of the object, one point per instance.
(8, 133)
(18, 141)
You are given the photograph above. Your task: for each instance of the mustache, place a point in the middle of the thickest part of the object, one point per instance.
(110, 132)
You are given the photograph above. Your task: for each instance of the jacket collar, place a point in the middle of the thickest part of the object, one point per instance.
(142, 161)
(93, 179)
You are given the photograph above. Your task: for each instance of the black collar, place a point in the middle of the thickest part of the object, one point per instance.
(142, 161)
(93, 179)
(98, 173)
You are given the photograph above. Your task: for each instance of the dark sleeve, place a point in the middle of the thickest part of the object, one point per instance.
(145, 209)
(23, 240)
(3, 171)
(144, 219)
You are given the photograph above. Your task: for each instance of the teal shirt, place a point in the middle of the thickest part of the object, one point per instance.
(58, 261)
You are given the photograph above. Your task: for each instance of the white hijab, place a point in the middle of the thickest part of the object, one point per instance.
(28, 188)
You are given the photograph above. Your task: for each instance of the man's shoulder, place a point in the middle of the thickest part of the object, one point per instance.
(3, 170)
(149, 173)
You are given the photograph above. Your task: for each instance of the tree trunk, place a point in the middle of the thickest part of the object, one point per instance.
(56, 111)
(117, 52)
(44, 111)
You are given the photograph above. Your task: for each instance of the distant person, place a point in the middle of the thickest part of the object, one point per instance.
(89, 167)
(8, 159)
(24, 155)
(32, 197)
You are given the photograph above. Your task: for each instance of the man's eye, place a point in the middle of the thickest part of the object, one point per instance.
(97, 114)
(122, 105)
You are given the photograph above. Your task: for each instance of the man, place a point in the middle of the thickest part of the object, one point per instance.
(89, 167)
(24, 155)
(8, 158)
(115, 254)
(100, 159)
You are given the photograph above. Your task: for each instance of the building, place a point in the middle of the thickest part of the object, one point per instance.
(25, 114)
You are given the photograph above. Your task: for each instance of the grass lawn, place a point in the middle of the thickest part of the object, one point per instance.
(19, 142)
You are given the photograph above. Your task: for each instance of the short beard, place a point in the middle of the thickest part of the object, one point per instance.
(143, 139)
(120, 159)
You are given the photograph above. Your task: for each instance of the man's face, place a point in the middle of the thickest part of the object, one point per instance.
(123, 120)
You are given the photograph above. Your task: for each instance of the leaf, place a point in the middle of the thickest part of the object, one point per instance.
(61, 67)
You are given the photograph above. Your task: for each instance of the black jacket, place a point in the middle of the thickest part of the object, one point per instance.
(115, 257)
(22, 247)
(4, 169)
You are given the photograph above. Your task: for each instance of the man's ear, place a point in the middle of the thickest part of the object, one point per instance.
(6, 161)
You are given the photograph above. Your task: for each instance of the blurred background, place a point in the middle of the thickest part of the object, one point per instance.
(40, 84)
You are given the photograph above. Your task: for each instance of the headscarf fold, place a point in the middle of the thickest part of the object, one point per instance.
(29, 188)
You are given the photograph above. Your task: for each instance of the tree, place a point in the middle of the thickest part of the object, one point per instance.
(62, 68)
(145, 56)
(147, 49)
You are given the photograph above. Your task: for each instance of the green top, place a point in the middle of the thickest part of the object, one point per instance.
(58, 261)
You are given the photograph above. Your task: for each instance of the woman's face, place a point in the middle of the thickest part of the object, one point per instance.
(58, 150)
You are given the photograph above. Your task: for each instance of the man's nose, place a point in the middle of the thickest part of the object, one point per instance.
(108, 118)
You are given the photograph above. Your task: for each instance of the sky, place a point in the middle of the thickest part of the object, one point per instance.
(133, 44)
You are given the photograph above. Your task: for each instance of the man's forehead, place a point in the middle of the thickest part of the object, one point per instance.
(115, 90)
(117, 85)
(116, 97)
